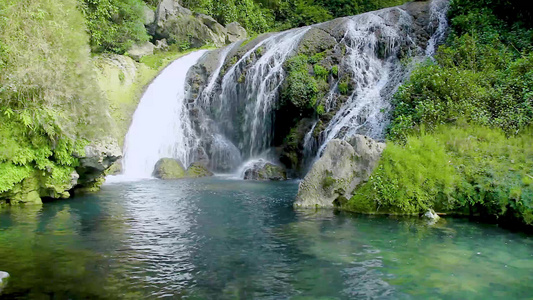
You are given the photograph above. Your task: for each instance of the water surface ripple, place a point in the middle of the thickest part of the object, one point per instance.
(229, 239)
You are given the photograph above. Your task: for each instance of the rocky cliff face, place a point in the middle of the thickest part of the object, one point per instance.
(284, 96)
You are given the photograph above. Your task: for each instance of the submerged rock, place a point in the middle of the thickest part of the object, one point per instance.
(341, 169)
(4, 277)
(168, 168)
(197, 170)
(265, 171)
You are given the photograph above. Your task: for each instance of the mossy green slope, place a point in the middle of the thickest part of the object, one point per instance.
(460, 138)
(48, 105)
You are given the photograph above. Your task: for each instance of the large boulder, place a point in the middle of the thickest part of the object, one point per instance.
(265, 171)
(235, 32)
(169, 168)
(137, 51)
(4, 277)
(149, 15)
(98, 157)
(198, 170)
(179, 25)
(341, 169)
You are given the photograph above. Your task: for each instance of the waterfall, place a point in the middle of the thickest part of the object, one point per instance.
(242, 110)
(161, 126)
(224, 112)
(376, 79)
(438, 14)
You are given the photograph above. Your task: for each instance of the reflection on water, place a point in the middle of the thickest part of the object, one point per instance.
(224, 239)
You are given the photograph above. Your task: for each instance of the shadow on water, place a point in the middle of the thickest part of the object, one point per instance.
(228, 239)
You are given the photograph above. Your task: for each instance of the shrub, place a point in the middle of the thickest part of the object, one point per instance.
(301, 88)
(461, 168)
(320, 72)
(114, 25)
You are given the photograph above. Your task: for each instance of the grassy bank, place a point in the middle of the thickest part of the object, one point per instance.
(460, 137)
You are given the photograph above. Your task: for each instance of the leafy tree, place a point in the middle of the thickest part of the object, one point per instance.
(114, 25)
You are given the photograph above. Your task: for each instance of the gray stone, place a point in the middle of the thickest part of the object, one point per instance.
(179, 25)
(169, 168)
(265, 172)
(161, 45)
(4, 278)
(235, 32)
(340, 170)
(149, 15)
(138, 51)
(98, 157)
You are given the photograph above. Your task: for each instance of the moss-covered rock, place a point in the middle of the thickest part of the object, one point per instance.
(197, 170)
(169, 168)
(264, 172)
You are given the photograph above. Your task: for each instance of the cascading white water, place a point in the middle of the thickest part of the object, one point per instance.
(161, 126)
(365, 112)
(438, 14)
(262, 82)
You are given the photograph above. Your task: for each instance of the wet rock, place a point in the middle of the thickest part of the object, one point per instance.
(235, 32)
(265, 171)
(168, 168)
(4, 277)
(341, 169)
(198, 170)
(138, 51)
(431, 216)
(98, 157)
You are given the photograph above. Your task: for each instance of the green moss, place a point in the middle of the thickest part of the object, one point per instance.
(320, 72)
(328, 182)
(301, 87)
(454, 169)
(344, 87)
(335, 71)
(197, 170)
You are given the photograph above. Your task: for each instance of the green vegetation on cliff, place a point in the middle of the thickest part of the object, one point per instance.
(265, 15)
(48, 105)
(114, 25)
(460, 137)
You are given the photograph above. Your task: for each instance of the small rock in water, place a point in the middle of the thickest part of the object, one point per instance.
(432, 216)
(4, 276)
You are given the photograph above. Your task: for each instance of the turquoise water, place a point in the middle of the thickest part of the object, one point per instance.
(224, 239)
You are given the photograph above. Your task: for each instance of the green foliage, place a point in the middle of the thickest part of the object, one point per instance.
(340, 8)
(483, 75)
(114, 25)
(48, 101)
(264, 15)
(344, 87)
(248, 13)
(302, 88)
(411, 178)
(455, 169)
(476, 103)
(335, 70)
(320, 72)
